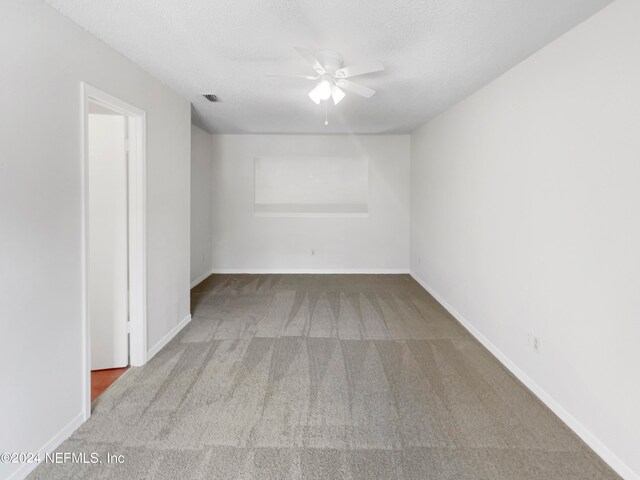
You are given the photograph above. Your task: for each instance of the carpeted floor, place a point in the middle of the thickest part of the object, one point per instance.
(323, 377)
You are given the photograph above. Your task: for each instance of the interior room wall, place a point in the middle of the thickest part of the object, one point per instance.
(244, 242)
(44, 59)
(525, 221)
(201, 204)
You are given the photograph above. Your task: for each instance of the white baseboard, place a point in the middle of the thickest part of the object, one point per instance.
(201, 278)
(167, 338)
(596, 445)
(312, 271)
(26, 468)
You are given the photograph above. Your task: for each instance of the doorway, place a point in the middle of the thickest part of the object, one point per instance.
(108, 279)
(114, 240)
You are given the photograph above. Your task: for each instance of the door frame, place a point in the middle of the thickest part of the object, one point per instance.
(137, 245)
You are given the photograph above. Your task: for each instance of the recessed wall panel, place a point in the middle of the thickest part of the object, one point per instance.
(311, 185)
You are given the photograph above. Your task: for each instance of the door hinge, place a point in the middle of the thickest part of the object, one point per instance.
(128, 326)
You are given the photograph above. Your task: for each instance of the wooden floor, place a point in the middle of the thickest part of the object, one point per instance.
(102, 379)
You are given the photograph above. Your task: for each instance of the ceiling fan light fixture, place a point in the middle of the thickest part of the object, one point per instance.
(322, 91)
(313, 95)
(337, 94)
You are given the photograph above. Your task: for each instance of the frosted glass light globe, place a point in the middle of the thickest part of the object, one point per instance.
(324, 90)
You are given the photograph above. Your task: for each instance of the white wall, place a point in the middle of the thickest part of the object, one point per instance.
(525, 212)
(44, 59)
(244, 242)
(201, 204)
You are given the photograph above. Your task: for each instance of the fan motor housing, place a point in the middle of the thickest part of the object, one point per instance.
(330, 60)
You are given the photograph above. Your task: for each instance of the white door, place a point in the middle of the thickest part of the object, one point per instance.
(108, 241)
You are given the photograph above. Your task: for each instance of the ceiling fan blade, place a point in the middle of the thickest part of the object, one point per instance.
(307, 77)
(311, 60)
(356, 88)
(336, 94)
(369, 67)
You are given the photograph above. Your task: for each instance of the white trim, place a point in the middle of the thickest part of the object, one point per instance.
(201, 279)
(26, 468)
(137, 232)
(311, 214)
(168, 337)
(589, 438)
(312, 271)
(137, 243)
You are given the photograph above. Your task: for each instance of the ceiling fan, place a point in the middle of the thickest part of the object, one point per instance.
(333, 76)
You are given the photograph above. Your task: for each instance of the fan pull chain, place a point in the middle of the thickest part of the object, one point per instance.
(326, 120)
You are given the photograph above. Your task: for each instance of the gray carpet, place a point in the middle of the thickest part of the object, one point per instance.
(323, 377)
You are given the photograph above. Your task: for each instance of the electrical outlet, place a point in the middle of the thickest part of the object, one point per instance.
(536, 344)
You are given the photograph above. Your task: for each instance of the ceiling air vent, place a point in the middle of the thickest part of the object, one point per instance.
(211, 97)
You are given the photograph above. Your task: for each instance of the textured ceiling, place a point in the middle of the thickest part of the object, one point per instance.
(436, 52)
